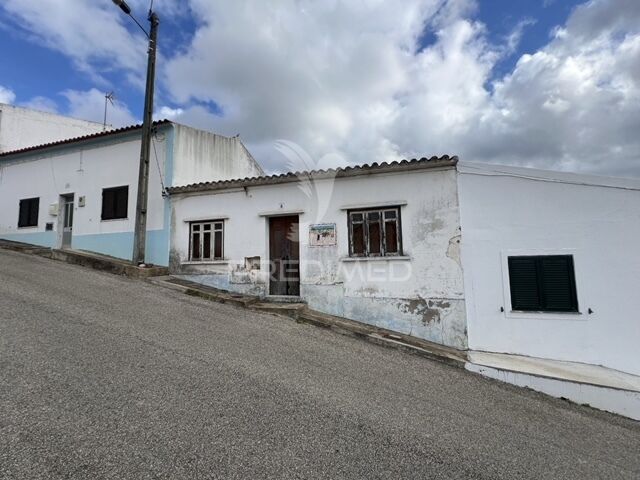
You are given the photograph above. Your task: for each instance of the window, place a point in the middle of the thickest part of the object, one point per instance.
(115, 203)
(28, 216)
(206, 240)
(543, 283)
(375, 232)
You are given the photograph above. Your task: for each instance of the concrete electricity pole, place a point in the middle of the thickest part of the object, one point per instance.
(140, 231)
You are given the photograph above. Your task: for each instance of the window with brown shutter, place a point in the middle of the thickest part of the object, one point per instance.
(375, 232)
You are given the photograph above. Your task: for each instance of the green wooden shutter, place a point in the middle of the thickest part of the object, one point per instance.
(523, 280)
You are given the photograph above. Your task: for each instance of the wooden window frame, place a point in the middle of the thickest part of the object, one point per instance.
(115, 216)
(30, 221)
(542, 306)
(382, 222)
(215, 226)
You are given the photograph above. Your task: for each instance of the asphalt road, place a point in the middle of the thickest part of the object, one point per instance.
(106, 377)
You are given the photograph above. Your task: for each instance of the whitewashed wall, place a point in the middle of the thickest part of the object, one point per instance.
(510, 211)
(421, 295)
(83, 170)
(23, 127)
(203, 156)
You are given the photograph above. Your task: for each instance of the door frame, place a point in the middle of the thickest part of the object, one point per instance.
(268, 227)
(61, 218)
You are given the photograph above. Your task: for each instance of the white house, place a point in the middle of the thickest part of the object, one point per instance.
(509, 264)
(80, 193)
(591, 225)
(404, 273)
(24, 127)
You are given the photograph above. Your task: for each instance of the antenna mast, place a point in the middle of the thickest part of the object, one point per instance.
(107, 97)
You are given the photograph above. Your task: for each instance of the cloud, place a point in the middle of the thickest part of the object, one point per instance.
(6, 95)
(91, 33)
(353, 82)
(89, 105)
(42, 104)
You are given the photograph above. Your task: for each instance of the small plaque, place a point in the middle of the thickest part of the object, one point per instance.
(322, 235)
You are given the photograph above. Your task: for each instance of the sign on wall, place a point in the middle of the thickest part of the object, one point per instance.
(322, 235)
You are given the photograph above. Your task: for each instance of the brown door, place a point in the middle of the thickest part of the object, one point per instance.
(284, 253)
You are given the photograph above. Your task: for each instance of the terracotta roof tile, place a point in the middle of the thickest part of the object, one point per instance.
(403, 165)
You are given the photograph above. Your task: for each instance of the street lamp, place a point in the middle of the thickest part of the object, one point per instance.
(140, 231)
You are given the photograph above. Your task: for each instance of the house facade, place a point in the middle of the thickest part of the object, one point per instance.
(476, 257)
(378, 244)
(576, 237)
(80, 193)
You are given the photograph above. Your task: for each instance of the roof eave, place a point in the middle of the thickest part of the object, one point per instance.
(373, 169)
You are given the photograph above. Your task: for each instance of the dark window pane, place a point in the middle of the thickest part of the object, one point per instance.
(390, 214)
(558, 286)
(373, 216)
(391, 237)
(356, 217)
(206, 245)
(122, 199)
(68, 221)
(374, 237)
(107, 204)
(23, 218)
(28, 212)
(206, 226)
(195, 246)
(218, 245)
(34, 204)
(358, 239)
(196, 228)
(115, 203)
(523, 279)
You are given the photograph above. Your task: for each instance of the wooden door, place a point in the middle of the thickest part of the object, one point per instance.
(284, 253)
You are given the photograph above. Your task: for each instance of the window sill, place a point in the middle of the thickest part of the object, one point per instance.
(205, 262)
(27, 227)
(388, 258)
(114, 219)
(542, 315)
(544, 312)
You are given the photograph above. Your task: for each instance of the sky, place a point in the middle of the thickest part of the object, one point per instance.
(542, 83)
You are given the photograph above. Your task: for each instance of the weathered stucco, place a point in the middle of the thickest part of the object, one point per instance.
(205, 156)
(420, 293)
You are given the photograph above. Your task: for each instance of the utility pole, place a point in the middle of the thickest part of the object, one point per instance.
(140, 230)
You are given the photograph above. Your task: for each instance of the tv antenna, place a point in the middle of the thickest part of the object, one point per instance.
(108, 98)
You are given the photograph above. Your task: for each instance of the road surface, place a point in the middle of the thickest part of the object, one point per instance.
(106, 377)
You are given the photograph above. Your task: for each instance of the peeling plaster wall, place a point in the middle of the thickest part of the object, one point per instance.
(420, 294)
(510, 211)
(203, 157)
